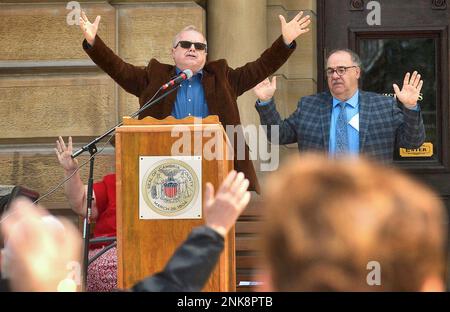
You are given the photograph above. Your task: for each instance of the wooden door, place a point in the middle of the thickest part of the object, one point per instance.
(393, 37)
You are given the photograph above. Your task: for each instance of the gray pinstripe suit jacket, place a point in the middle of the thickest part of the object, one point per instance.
(383, 124)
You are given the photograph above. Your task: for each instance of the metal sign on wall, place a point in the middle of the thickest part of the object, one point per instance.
(170, 187)
(426, 150)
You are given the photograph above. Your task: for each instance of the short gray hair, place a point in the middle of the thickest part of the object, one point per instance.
(355, 57)
(187, 28)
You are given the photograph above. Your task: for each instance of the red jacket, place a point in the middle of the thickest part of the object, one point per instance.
(221, 84)
(105, 201)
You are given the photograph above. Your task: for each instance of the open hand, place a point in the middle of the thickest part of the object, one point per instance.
(89, 29)
(223, 208)
(265, 89)
(64, 155)
(296, 27)
(41, 249)
(410, 91)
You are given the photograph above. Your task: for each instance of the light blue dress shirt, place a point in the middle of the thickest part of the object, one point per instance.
(190, 99)
(352, 109)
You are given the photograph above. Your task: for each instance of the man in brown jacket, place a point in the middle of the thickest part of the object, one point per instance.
(214, 87)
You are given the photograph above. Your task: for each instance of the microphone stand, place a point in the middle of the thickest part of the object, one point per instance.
(91, 147)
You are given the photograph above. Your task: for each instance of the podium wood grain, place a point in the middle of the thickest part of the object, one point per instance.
(145, 246)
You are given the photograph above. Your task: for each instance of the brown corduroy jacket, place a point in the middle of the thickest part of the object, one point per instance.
(221, 84)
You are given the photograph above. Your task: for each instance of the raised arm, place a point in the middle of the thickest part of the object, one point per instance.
(246, 77)
(269, 116)
(411, 132)
(131, 78)
(74, 188)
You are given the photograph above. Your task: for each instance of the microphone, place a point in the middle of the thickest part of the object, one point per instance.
(184, 75)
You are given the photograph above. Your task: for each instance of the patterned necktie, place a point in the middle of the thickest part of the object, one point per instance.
(341, 131)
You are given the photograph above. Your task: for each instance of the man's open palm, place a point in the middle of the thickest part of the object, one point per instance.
(89, 29)
(410, 91)
(296, 27)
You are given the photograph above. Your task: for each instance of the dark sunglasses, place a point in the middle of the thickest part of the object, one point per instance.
(188, 44)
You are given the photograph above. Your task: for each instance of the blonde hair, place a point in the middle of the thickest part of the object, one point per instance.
(187, 28)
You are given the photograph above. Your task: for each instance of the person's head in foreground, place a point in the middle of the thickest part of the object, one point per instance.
(42, 253)
(327, 220)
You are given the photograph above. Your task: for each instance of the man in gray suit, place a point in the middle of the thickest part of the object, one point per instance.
(347, 120)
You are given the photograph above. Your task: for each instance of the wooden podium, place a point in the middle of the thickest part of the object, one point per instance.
(145, 246)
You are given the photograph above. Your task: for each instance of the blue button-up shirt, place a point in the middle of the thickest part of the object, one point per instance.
(352, 109)
(190, 99)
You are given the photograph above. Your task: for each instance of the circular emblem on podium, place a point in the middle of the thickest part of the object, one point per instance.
(170, 187)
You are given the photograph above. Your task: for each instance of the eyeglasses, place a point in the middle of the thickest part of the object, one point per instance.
(340, 70)
(187, 45)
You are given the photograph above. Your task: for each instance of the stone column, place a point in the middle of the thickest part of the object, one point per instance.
(237, 32)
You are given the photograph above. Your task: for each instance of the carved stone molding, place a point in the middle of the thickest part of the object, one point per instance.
(439, 4)
(357, 5)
